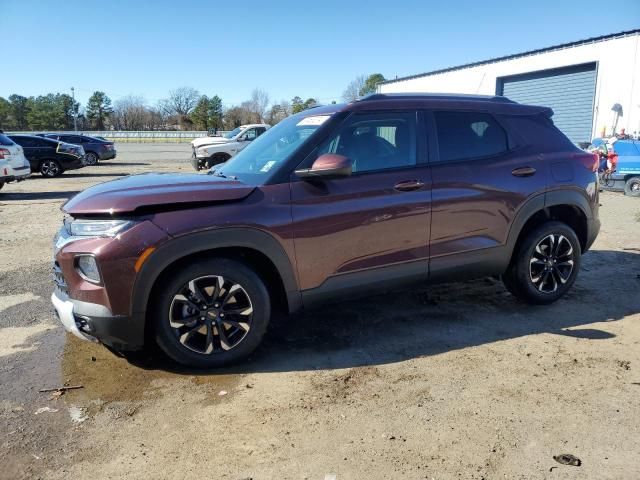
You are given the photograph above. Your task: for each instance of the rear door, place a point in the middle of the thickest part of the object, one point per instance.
(480, 181)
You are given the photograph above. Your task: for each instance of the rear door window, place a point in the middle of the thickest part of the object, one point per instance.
(75, 139)
(467, 135)
(25, 141)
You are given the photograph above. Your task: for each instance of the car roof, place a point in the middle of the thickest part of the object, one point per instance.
(249, 125)
(33, 136)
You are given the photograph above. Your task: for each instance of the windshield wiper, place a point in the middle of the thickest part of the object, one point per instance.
(218, 173)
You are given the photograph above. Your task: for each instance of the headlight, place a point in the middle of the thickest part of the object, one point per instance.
(98, 228)
(88, 268)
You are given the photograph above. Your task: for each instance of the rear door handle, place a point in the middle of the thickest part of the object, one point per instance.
(523, 171)
(409, 185)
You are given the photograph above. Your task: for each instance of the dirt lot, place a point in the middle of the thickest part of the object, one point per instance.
(453, 381)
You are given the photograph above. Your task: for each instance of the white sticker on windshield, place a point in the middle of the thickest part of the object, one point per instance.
(315, 120)
(267, 166)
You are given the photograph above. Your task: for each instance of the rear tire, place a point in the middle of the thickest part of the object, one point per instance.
(90, 159)
(211, 314)
(50, 168)
(545, 264)
(632, 187)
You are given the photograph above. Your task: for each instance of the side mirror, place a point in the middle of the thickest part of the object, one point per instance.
(328, 166)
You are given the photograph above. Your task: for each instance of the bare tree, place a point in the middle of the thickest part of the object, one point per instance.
(235, 116)
(180, 103)
(129, 113)
(258, 105)
(155, 119)
(352, 92)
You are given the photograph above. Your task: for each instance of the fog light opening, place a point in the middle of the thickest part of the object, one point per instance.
(87, 267)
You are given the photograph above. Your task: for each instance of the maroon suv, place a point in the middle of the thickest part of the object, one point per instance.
(334, 201)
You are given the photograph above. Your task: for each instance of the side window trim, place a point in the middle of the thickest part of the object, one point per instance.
(434, 150)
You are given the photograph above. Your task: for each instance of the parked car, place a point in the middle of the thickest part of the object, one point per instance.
(625, 176)
(95, 148)
(50, 157)
(333, 202)
(209, 151)
(17, 166)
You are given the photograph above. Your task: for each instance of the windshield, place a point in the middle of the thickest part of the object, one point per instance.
(232, 133)
(260, 158)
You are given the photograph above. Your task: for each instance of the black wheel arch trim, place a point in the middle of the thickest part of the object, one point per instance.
(552, 198)
(177, 248)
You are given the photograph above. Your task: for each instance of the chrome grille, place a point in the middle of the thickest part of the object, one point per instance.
(58, 279)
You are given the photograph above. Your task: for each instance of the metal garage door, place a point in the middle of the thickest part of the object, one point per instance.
(568, 91)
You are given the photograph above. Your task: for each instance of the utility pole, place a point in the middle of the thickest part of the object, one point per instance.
(75, 114)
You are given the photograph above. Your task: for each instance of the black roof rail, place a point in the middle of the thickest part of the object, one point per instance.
(436, 96)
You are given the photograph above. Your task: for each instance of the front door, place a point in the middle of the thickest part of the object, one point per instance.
(371, 228)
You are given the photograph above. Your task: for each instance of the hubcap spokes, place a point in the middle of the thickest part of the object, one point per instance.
(211, 314)
(551, 264)
(49, 168)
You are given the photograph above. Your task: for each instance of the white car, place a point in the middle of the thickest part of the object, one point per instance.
(17, 166)
(210, 151)
(4, 173)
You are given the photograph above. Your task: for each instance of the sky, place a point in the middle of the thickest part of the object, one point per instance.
(306, 48)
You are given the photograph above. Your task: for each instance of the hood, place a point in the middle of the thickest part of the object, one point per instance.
(127, 194)
(202, 141)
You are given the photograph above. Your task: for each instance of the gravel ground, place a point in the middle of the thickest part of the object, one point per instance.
(450, 381)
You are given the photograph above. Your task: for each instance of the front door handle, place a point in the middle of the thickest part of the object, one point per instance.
(523, 171)
(409, 185)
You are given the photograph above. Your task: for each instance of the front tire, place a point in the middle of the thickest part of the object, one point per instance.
(545, 264)
(211, 314)
(50, 169)
(217, 159)
(632, 187)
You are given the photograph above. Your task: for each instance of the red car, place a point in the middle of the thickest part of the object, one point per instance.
(332, 202)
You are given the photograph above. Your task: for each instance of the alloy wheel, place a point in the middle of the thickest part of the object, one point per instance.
(551, 263)
(50, 168)
(211, 314)
(91, 159)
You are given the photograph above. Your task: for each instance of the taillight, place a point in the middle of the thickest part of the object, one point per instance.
(590, 161)
(4, 153)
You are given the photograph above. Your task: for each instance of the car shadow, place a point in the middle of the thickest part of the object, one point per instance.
(37, 195)
(89, 175)
(431, 320)
(114, 163)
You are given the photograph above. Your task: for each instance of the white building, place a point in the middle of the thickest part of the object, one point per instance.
(582, 81)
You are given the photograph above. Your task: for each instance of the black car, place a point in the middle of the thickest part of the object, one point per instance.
(50, 157)
(95, 148)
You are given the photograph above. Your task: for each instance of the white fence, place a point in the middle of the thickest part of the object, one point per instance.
(159, 136)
